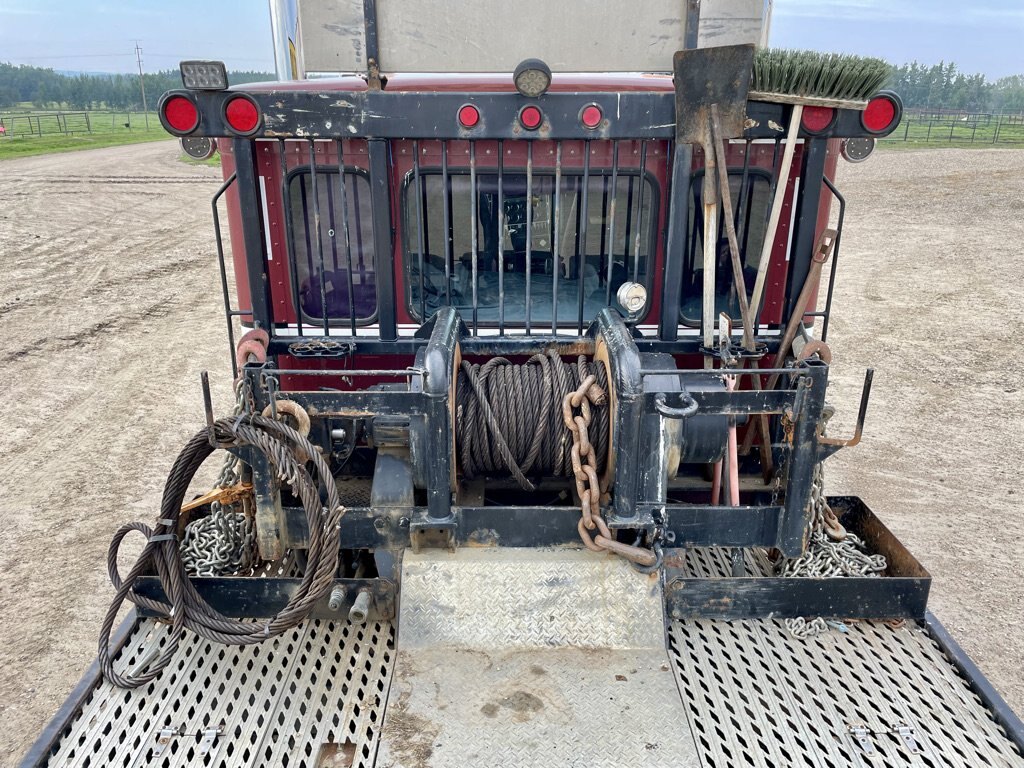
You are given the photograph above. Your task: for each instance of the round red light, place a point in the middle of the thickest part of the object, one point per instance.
(591, 116)
(531, 118)
(817, 119)
(879, 115)
(181, 114)
(469, 116)
(242, 115)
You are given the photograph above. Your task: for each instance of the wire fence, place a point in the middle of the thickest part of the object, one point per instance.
(69, 123)
(941, 126)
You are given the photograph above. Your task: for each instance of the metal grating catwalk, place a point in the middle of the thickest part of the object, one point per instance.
(756, 696)
(559, 660)
(294, 701)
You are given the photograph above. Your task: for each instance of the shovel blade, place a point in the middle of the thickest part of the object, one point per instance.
(706, 76)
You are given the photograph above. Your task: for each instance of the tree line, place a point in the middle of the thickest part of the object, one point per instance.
(944, 86)
(47, 89)
(939, 86)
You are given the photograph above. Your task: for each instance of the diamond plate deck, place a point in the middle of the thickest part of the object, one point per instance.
(531, 658)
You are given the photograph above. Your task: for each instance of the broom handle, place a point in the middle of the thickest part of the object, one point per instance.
(710, 200)
(773, 220)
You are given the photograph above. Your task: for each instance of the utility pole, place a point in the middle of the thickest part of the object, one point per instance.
(142, 83)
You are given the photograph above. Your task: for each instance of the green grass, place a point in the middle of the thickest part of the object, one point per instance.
(915, 135)
(213, 162)
(108, 130)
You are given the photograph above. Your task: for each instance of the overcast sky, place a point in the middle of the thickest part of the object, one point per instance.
(980, 35)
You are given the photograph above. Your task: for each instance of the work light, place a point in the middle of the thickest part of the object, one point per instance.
(532, 78)
(204, 75)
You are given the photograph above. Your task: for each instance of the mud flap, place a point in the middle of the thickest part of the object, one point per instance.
(533, 658)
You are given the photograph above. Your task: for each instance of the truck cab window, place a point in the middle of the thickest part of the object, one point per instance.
(751, 205)
(549, 259)
(345, 271)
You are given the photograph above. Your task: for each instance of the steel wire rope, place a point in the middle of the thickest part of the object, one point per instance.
(297, 463)
(509, 421)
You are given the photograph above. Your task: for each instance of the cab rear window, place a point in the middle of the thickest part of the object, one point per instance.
(339, 276)
(751, 202)
(554, 265)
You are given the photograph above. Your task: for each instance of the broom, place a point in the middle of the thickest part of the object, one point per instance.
(806, 78)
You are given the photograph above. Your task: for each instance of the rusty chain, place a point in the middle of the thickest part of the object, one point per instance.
(577, 415)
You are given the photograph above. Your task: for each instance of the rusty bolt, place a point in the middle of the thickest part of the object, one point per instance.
(381, 524)
(337, 598)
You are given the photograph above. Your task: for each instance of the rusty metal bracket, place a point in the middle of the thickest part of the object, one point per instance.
(827, 446)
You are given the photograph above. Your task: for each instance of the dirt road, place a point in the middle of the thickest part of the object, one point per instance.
(110, 308)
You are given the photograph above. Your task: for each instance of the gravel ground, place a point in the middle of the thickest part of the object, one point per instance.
(110, 303)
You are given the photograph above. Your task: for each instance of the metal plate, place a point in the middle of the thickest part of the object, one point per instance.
(318, 689)
(532, 658)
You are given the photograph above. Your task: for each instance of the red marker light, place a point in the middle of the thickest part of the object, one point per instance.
(531, 118)
(817, 119)
(242, 115)
(469, 116)
(591, 116)
(181, 114)
(879, 115)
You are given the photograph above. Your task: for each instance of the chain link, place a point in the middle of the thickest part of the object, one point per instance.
(577, 416)
(832, 551)
(224, 542)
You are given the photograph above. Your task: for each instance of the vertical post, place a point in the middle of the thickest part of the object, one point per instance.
(581, 233)
(142, 83)
(806, 223)
(793, 527)
(675, 241)
(611, 223)
(383, 248)
(88, 125)
(252, 231)
(691, 34)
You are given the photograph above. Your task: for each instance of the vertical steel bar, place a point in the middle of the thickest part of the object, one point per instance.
(640, 212)
(419, 226)
(286, 210)
(347, 237)
(529, 231)
(556, 264)
(676, 236)
(447, 215)
(772, 191)
(252, 231)
(812, 176)
(742, 199)
(378, 151)
(228, 314)
(473, 232)
(331, 228)
(501, 238)
(313, 173)
(835, 256)
(612, 205)
(582, 235)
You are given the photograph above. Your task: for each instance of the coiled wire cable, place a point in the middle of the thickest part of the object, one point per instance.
(296, 462)
(508, 419)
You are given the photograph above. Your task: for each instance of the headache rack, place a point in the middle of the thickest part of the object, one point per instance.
(369, 260)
